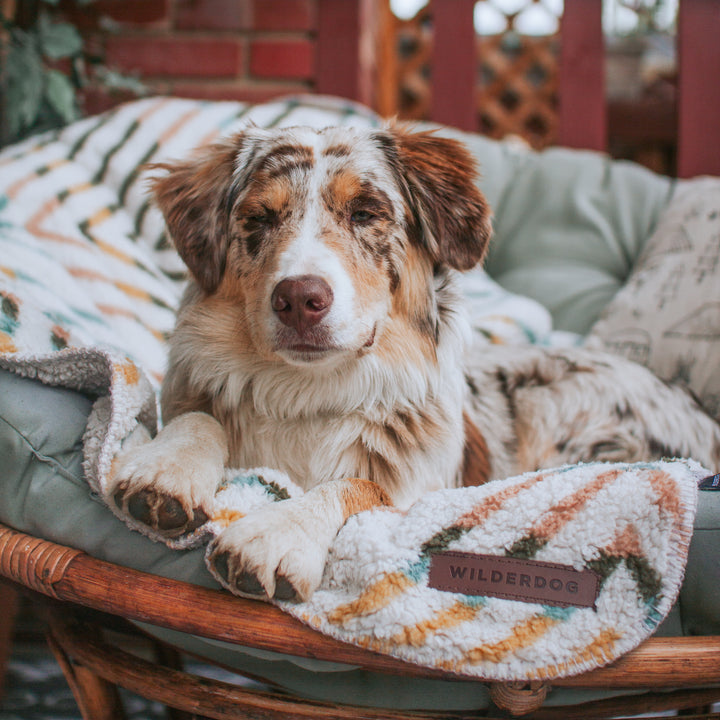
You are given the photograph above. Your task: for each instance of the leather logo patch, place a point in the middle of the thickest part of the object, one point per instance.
(712, 482)
(529, 581)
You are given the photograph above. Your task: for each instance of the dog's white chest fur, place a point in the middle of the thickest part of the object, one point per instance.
(339, 424)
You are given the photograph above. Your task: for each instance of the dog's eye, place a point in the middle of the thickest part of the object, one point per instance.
(362, 217)
(264, 217)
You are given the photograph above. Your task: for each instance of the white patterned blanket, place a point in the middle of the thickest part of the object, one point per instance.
(88, 287)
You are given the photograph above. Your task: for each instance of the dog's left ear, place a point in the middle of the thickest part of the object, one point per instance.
(453, 215)
(194, 197)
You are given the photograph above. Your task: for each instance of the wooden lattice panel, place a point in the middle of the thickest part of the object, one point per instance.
(517, 76)
(413, 41)
(517, 93)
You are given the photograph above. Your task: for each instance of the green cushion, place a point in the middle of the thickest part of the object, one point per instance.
(569, 224)
(43, 490)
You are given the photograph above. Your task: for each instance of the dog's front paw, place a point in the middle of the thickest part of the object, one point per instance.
(169, 483)
(278, 551)
(170, 513)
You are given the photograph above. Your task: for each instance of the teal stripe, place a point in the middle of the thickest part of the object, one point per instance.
(272, 489)
(129, 132)
(132, 175)
(140, 217)
(290, 106)
(237, 115)
(79, 144)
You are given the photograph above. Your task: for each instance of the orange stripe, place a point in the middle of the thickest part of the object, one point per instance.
(373, 598)
(178, 124)
(494, 502)
(668, 499)
(226, 517)
(416, 635)
(129, 371)
(626, 543)
(6, 343)
(33, 226)
(87, 274)
(562, 513)
(131, 290)
(113, 310)
(100, 217)
(523, 635)
(599, 652)
(18, 185)
(114, 252)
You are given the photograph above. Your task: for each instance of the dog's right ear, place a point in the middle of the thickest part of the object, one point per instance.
(194, 196)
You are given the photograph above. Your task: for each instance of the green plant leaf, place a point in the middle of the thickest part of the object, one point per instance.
(60, 94)
(24, 82)
(58, 40)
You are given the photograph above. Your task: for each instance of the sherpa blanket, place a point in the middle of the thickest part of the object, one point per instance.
(539, 576)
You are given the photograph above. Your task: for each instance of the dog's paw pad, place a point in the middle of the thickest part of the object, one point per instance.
(159, 511)
(248, 583)
(140, 506)
(221, 564)
(244, 581)
(170, 514)
(200, 517)
(285, 590)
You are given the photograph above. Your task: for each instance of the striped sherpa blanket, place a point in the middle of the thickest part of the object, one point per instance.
(88, 285)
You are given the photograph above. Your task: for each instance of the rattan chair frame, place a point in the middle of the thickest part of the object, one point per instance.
(675, 672)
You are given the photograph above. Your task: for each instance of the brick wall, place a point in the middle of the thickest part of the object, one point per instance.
(248, 50)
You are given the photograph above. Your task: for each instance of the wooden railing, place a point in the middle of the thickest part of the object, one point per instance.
(348, 67)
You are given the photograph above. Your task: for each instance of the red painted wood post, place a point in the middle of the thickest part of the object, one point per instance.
(454, 64)
(698, 88)
(344, 53)
(582, 121)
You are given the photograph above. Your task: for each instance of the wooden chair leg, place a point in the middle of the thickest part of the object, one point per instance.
(97, 698)
(171, 658)
(8, 611)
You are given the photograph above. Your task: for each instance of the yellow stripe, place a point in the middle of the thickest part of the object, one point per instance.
(133, 291)
(599, 651)
(523, 635)
(227, 516)
(34, 225)
(8, 271)
(18, 185)
(6, 343)
(129, 371)
(114, 252)
(416, 635)
(373, 598)
(80, 187)
(99, 217)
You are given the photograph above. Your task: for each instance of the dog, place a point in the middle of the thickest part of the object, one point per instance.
(322, 333)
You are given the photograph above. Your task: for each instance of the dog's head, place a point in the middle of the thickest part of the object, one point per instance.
(319, 243)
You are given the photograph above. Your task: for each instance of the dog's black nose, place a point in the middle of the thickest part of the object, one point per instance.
(301, 302)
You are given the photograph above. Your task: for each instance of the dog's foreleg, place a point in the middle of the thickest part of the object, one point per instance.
(169, 482)
(280, 550)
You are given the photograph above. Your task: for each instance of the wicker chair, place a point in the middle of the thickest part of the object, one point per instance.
(73, 586)
(88, 601)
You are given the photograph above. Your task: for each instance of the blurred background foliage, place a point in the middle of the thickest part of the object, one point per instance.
(44, 67)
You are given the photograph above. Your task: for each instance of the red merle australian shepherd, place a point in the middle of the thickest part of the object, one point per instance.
(322, 334)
